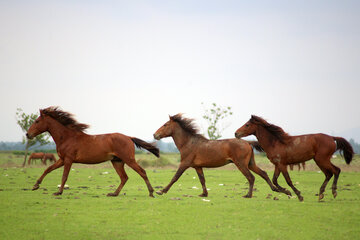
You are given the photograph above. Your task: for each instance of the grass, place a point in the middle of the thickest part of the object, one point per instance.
(84, 211)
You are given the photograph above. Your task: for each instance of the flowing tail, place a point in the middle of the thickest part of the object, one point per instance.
(345, 147)
(256, 145)
(148, 146)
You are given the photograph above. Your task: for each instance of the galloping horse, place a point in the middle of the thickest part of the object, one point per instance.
(283, 149)
(75, 146)
(42, 156)
(196, 151)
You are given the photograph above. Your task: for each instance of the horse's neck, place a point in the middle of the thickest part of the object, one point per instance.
(265, 138)
(58, 131)
(181, 138)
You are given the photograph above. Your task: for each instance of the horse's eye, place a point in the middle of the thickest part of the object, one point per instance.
(36, 121)
(247, 125)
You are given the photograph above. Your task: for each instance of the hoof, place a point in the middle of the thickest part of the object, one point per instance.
(151, 195)
(159, 192)
(35, 187)
(287, 192)
(321, 196)
(203, 195)
(112, 195)
(301, 198)
(57, 193)
(335, 194)
(247, 196)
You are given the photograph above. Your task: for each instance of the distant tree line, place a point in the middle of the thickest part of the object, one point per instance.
(355, 145)
(20, 146)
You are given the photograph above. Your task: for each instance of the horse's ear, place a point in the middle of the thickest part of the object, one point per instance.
(170, 117)
(41, 112)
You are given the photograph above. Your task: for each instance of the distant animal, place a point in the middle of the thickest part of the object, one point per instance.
(283, 149)
(50, 157)
(42, 156)
(198, 152)
(36, 156)
(75, 146)
(297, 164)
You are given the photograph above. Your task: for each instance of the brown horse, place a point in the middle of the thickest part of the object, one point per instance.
(50, 157)
(42, 156)
(35, 156)
(75, 146)
(283, 149)
(196, 151)
(299, 166)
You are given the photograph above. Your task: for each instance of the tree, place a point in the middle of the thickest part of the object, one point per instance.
(25, 121)
(213, 116)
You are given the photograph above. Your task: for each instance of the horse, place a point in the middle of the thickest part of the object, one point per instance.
(297, 164)
(36, 156)
(283, 149)
(50, 157)
(197, 152)
(73, 145)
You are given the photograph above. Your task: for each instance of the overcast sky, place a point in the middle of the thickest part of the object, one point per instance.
(124, 66)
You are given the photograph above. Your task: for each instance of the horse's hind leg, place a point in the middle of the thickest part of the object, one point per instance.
(251, 179)
(119, 167)
(133, 164)
(336, 172)
(202, 181)
(274, 180)
(57, 164)
(328, 169)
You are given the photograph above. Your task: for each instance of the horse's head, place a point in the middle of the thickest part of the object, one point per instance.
(165, 130)
(247, 129)
(39, 126)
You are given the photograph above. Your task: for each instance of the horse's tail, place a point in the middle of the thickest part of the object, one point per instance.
(345, 147)
(256, 145)
(148, 146)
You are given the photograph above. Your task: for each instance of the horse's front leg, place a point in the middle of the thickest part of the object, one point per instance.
(67, 166)
(275, 182)
(289, 182)
(57, 164)
(177, 175)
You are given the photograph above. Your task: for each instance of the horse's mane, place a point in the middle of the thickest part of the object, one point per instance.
(276, 131)
(187, 124)
(64, 118)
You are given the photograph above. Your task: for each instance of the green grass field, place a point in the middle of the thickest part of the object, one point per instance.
(85, 212)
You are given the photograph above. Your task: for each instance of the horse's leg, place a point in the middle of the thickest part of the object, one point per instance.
(253, 167)
(57, 164)
(67, 166)
(133, 164)
(29, 160)
(327, 168)
(177, 175)
(275, 182)
(336, 172)
(251, 179)
(202, 181)
(44, 160)
(283, 169)
(119, 167)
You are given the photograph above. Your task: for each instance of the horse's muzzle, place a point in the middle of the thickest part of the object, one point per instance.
(238, 135)
(28, 136)
(156, 136)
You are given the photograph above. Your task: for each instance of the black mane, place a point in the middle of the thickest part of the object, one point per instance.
(276, 131)
(187, 124)
(64, 118)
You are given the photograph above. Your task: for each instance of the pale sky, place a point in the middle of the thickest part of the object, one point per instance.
(124, 66)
